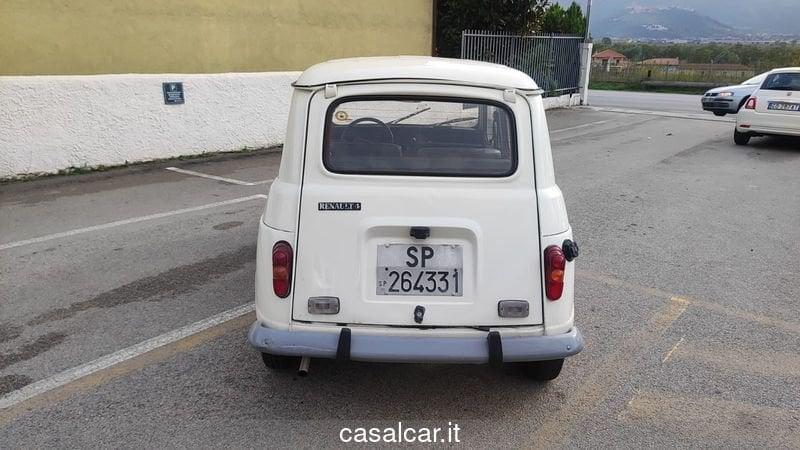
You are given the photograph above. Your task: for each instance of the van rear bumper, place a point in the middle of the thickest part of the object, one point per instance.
(373, 346)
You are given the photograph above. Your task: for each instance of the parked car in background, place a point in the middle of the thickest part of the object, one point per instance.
(730, 99)
(773, 109)
(406, 224)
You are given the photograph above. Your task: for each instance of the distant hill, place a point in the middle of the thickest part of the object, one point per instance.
(661, 23)
(745, 17)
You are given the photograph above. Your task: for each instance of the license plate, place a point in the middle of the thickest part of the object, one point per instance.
(783, 106)
(405, 269)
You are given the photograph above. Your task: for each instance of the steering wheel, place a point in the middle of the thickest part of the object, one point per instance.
(388, 131)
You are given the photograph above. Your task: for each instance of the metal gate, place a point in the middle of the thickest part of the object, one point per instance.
(553, 61)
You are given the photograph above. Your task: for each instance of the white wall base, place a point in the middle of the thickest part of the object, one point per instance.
(48, 123)
(51, 123)
(562, 101)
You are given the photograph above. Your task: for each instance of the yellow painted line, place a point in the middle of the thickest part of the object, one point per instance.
(704, 419)
(616, 282)
(619, 363)
(95, 378)
(673, 349)
(616, 365)
(772, 364)
(675, 307)
(771, 322)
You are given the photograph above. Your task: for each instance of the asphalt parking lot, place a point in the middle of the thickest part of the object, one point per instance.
(125, 297)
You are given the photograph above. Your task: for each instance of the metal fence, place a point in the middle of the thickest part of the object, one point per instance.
(553, 61)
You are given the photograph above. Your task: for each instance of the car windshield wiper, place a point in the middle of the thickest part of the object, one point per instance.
(408, 116)
(456, 120)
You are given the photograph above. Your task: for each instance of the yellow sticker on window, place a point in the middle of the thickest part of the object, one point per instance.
(341, 116)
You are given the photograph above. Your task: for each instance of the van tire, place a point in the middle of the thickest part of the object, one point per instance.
(719, 113)
(741, 138)
(542, 371)
(276, 362)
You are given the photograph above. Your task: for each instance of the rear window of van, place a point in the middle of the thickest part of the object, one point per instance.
(782, 82)
(419, 136)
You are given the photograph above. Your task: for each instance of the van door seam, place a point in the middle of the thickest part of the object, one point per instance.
(300, 203)
(538, 216)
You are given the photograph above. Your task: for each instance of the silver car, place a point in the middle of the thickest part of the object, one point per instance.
(729, 99)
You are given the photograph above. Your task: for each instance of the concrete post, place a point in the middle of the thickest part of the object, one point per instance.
(586, 67)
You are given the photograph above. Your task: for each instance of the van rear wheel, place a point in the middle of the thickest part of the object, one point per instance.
(276, 362)
(542, 370)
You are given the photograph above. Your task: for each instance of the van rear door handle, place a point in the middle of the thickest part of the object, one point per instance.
(420, 232)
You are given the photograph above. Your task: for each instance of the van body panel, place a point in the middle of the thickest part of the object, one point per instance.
(494, 221)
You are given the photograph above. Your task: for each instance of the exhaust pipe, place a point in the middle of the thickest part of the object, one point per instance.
(305, 361)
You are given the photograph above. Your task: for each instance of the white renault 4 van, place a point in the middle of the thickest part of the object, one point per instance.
(416, 218)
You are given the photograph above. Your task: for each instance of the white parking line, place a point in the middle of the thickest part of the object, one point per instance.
(576, 127)
(129, 221)
(674, 115)
(217, 178)
(70, 375)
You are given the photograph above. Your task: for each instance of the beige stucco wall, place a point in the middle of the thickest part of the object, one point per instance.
(69, 37)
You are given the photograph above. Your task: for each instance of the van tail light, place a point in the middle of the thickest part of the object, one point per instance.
(751, 103)
(554, 264)
(282, 268)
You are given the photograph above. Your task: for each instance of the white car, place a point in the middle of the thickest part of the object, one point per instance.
(416, 218)
(773, 109)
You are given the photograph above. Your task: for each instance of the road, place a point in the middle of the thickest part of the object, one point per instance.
(646, 101)
(686, 293)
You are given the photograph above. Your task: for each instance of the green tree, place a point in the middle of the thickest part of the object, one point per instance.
(574, 21)
(564, 21)
(455, 16)
(553, 20)
(727, 56)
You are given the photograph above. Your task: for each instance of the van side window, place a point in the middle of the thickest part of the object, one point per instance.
(419, 136)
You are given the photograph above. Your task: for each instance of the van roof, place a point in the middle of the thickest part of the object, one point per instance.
(457, 71)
